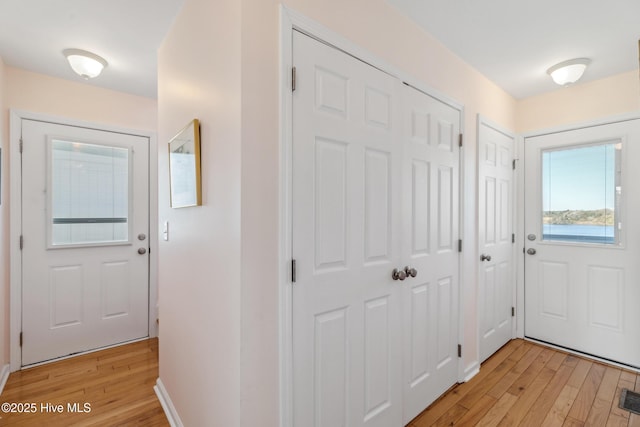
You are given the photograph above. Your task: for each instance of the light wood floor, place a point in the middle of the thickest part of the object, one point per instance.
(117, 383)
(522, 384)
(529, 385)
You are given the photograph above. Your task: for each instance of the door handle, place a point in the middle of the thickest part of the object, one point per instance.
(398, 274)
(142, 251)
(410, 272)
(531, 251)
(484, 257)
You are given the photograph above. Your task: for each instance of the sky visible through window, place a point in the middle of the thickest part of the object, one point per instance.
(579, 187)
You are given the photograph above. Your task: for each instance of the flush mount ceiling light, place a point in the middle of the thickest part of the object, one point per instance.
(86, 64)
(568, 72)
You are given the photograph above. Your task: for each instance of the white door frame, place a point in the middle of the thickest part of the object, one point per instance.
(520, 233)
(291, 20)
(15, 224)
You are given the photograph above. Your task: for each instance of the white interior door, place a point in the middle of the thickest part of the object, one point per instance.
(85, 227)
(375, 189)
(430, 246)
(583, 240)
(346, 198)
(495, 238)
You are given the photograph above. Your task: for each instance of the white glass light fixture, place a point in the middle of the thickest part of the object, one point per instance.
(86, 64)
(568, 72)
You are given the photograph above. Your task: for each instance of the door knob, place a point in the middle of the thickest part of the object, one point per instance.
(484, 257)
(142, 251)
(410, 272)
(531, 251)
(398, 274)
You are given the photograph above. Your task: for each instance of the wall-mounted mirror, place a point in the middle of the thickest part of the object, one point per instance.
(184, 167)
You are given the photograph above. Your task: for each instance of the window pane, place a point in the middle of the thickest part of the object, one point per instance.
(89, 193)
(581, 194)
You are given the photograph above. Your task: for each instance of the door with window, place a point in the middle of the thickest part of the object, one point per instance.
(582, 240)
(85, 227)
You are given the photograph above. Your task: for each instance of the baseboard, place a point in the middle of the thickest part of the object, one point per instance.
(4, 376)
(167, 405)
(471, 371)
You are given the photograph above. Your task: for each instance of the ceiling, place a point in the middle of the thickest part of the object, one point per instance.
(127, 33)
(511, 42)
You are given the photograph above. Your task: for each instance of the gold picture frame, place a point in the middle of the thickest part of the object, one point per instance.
(184, 167)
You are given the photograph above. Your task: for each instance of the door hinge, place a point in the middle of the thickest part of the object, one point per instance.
(513, 311)
(514, 164)
(513, 237)
(293, 271)
(20, 339)
(460, 245)
(21, 242)
(460, 140)
(293, 79)
(21, 146)
(459, 350)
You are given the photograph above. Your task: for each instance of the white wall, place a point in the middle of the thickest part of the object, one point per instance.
(199, 274)
(4, 222)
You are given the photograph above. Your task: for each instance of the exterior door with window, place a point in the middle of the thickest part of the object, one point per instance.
(583, 240)
(85, 263)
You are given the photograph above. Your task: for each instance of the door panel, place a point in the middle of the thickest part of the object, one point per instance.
(495, 219)
(580, 286)
(346, 307)
(85, 197)
(429, 244)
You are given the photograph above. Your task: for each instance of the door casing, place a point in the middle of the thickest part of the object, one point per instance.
(15, 200)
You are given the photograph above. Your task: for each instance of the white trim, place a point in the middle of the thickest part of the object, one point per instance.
(291, 20)
(584, 124)
(15, 200)
(519, 222)
(4, 376)
(167, 405)
(471, 371)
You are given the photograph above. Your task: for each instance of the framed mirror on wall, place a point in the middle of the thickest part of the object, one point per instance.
(184, 167)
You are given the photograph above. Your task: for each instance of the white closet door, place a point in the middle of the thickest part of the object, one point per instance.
(430, 190)
(496, 280)
(347, 326)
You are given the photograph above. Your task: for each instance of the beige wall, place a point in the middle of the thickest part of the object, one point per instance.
(37, 93)
(4, 223)
(199, 273)
(580, 103)
(377, 27)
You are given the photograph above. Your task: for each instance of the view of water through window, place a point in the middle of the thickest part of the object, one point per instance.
(581, 194)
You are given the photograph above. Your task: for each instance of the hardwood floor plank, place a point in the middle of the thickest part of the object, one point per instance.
(529, 375)
(507, 381)
(528, 397)
(558, 412)
(542, 406)
(498, 411)
(117, 383)
(478, 411)
(602, 404)
(572, 422)
(582, 405)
